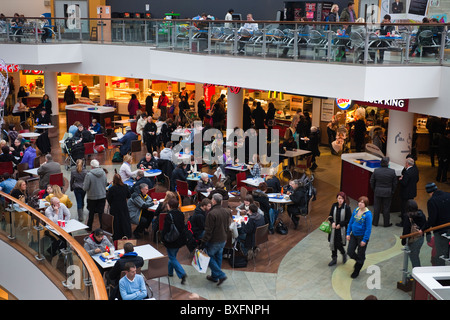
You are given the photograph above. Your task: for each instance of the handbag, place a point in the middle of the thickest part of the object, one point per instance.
(200, 261)
(325, 226)
(173, 233)
(118, 244)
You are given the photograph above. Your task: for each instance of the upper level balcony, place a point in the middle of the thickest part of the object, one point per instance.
(357, 61)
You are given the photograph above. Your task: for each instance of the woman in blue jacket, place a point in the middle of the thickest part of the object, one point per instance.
(358, 234)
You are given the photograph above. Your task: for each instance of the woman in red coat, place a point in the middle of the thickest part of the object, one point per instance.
(133, 106)
(163, 102)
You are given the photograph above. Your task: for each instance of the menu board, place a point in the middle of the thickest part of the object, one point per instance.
(327, 110)
(418, 7)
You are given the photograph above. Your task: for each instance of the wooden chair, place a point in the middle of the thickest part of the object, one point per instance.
(157, 268)
(108, 223)
(57, 178)
(262, 237)
(306, 165)
(80, 238)
(6, 167)
(162, 217)
(136, 146)
(37, 162)
(88, 148)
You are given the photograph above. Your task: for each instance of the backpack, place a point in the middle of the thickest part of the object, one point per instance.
(117, 157)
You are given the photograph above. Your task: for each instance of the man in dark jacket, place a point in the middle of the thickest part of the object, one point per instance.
(248, 230)
(129, 256)
(383, 182)
(197, 220)
(439, 213)
(150, 135)
(259, 115)
(140, 178)
(443, 157)
(408, 182)
(216, 231)
(299, 204)
(201, 109)
(247, 120)
(126, 141)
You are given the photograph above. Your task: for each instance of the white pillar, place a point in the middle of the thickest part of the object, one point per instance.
(235, 102)
(315, 116)
(102, 81)
(199, 93)
(400, 131)
(51, 88)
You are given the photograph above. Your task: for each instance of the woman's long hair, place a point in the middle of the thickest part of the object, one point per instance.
(117, 180)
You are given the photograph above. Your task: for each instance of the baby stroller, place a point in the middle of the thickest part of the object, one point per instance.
(74, 151)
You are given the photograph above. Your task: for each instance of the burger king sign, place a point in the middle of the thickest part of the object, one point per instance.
(343, 104)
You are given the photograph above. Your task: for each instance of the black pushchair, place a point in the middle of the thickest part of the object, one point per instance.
(74, 151)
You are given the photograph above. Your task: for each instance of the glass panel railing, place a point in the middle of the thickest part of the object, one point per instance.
(353, 43)
(59, 255)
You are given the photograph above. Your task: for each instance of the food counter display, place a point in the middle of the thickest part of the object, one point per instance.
(356, 171)
(85, 113)
(431, 283)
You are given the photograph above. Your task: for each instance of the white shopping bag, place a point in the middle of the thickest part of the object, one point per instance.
(200, 261)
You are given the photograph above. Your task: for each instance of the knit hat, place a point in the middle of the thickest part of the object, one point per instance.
(431, 187)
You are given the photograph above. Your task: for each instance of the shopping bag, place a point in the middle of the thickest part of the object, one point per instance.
(118, 244)
(325, 227)
(200, 261)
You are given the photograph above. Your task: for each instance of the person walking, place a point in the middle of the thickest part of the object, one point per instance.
(95, 187)
(358, 234)
(117, 197)
(77, 176)
(163, 102)
(176, 217)
(383, 182)
(438, 213)
(414, 221)
(408, 183)
(340, 215)
(217, 225)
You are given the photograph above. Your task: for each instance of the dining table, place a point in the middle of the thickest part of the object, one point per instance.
(146, 251)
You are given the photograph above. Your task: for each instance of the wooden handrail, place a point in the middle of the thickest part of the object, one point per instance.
(425, 231)
(96, 277)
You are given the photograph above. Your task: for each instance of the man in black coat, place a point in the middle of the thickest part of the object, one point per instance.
(408, 182)
(129, 256)
(397, 6)
(438, 207)
(383, 182)
(247, 120)
(299, 204)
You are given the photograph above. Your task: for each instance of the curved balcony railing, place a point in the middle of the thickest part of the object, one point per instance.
(355, 43)
(29, 232)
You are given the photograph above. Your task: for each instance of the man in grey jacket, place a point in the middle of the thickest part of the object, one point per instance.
(95, 187)
(48, 168)
(383, 182)
(139, 208)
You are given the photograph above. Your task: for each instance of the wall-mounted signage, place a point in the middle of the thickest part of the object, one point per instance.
(343, 104)
(393, 104)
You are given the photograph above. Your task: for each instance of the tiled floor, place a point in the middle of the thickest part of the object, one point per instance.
(304, 272)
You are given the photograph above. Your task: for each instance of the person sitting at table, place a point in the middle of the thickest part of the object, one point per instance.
(313, 146)
(298, 198)
(255, 171)
(29, 155)
(6, 156)
(247, 231)
(57, 210)
(273, 182)
(96, 242)
(167, 153)
(43, 118)
(82, 135)
(139, 208)
(6, 185)
(140, 178)
(17, 148)
(63, 198)
(148, 162)
(20, 109)
(74, 128)
(125, 169)
(95, 126)
(12, 133)
(262, 198)
(126, 141)
(42, 194)
(132, 285)
(48, 168)
(384, 31)
(197, 220)
(129, 255)
(20, 191)
(219, 188)
(205, 183)
(179, 173)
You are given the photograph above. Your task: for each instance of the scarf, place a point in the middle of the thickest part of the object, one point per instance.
(342, 229)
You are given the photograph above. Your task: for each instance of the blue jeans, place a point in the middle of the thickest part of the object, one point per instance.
(273, 214)
(215, 252)
(415, 250)
(174, 264)
(79, 196)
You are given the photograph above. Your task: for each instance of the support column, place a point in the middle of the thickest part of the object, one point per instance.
(316, 108)
(235, 102)
(102, 80)
(51, 88)
(198, 94)
(399, 139)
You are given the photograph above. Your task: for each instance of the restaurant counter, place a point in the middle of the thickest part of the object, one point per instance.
(355, 177)
(431, 283)
(85, 113)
